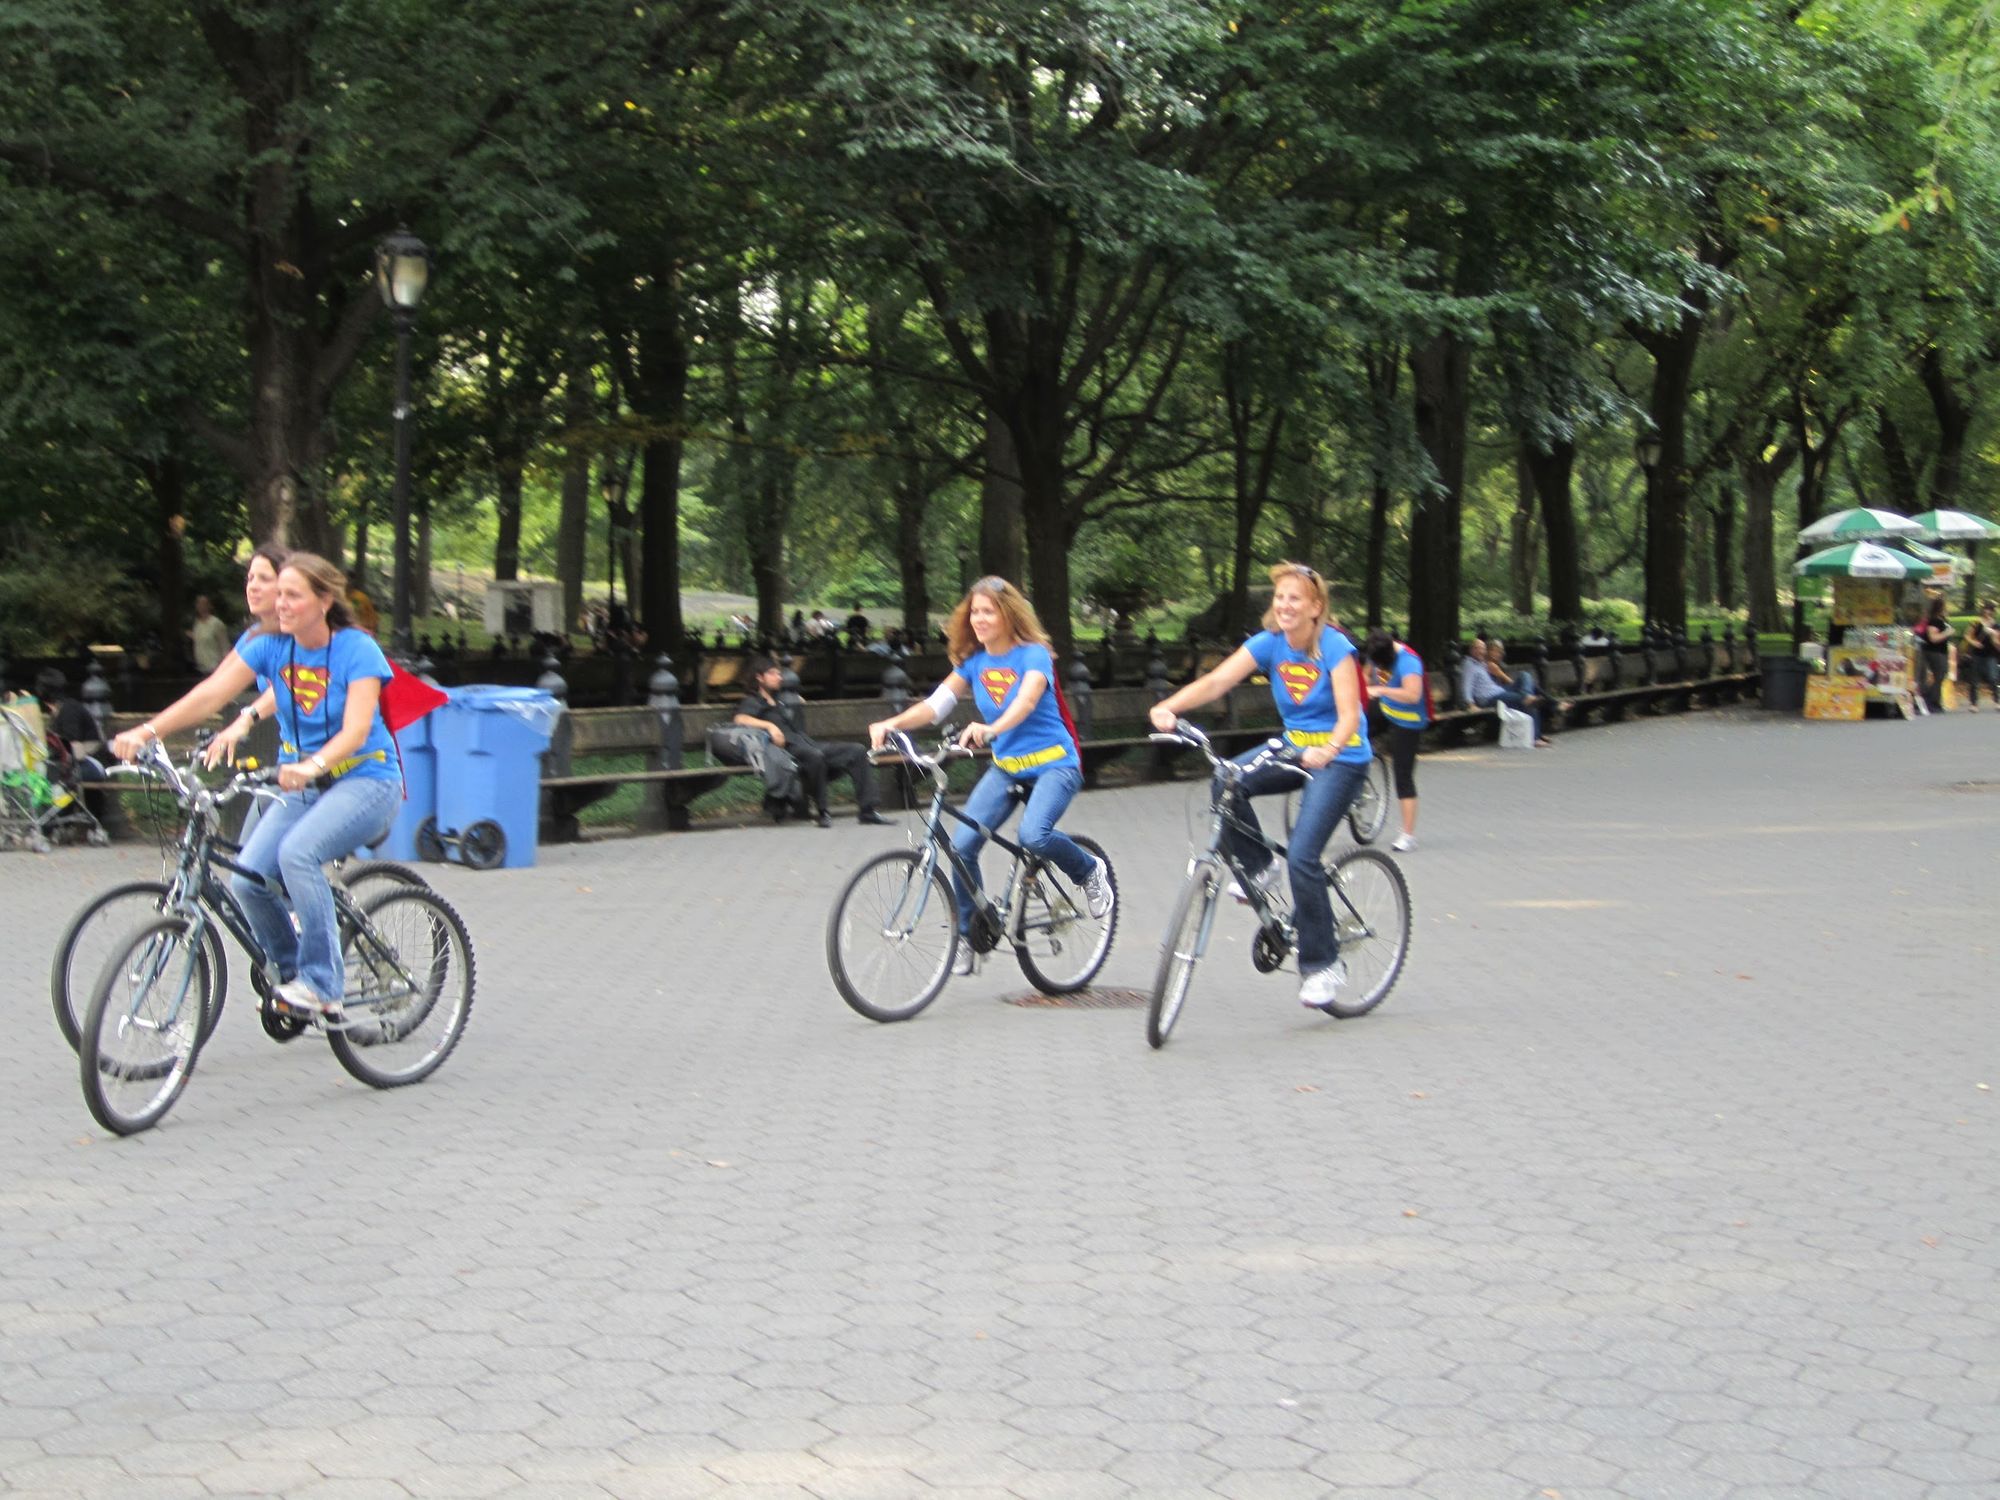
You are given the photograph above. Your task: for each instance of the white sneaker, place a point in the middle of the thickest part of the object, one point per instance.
(963, 959)
(297, 996)
(1322, 987)
(1405, 842)
(1264, 880)
(1097, 890)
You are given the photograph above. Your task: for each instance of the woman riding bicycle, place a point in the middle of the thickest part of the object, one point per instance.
(1001, 656)
(1316, 683)
(327, 680)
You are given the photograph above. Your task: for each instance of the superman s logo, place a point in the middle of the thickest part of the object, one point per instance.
(307, 685)
(999, 682)
(1299, 679)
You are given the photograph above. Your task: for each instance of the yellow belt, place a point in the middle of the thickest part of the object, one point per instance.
(1015, 764)
(340, 767)
(1307, 739)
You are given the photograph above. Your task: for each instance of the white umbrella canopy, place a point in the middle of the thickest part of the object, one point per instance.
(1860, 524)
(1861, 560)
(1956, 526)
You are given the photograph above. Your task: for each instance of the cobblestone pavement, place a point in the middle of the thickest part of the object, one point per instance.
(1668, 1171)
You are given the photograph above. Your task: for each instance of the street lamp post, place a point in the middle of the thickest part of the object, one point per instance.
(402, 271)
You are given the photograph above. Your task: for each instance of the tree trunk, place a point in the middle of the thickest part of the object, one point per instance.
(1667, 490)
(1954, 421)
(1523, 561)
(1439, 370)
(1896, 463)
(1703, 557)
(167, 479)
(1760, 488)
(1000, 502)
(1722, 516)
(659, 397)
(1384, 370)
(359, 572)
(573, 529)
(1378, 549)
(420, 585)
(1251, 463)
(1551, 473)
(913, 496)
(507, 505)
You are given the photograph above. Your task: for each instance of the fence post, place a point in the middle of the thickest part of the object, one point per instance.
(1158, 683)
(1081, 707)
(663, 697)
(788, 687)
(551, 680)
(1454, 658)
(895, 687)
(96, 695)
(1579, 664)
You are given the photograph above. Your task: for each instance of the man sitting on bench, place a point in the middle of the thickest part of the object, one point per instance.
(818, 763)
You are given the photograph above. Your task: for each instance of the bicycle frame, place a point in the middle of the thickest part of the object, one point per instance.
(1008, 912)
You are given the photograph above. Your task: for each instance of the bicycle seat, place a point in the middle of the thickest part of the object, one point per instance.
(1020, 791)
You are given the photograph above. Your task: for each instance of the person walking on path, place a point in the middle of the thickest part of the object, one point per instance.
(1934, 635)
(1398, 683)
(1979, 658)
(208, 636)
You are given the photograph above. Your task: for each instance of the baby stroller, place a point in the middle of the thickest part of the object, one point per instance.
(41, 801)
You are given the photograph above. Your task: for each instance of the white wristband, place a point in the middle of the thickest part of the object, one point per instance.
(941, 703)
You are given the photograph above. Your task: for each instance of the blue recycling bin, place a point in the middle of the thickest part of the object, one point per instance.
(489, 743)
(419, 757)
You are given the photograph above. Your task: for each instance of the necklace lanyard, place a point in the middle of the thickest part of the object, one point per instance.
(325, 694)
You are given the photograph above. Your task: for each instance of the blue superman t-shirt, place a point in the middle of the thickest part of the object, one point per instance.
(1302, 687)
(1409, 715)
(1042, 739)
(311, 686)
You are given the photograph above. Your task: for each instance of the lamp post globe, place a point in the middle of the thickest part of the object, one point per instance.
(402, 273)
(1646, 448)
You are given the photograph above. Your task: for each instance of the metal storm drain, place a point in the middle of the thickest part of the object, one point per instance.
(1106, 999)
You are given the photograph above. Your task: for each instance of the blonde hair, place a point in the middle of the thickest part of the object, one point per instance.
(1022, 621)
(328, 582)
(1315, 585)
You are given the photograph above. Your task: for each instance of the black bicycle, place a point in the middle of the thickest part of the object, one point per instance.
(1367, 816)
(407, 958)
(893, 931)
(1371, 901)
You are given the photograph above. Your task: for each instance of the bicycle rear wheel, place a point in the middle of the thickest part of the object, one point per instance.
(1059, 944)
(1181, 950)
(891, 936)
(102, 927)
(1369, 813)
(409, 988)
(142, 1029)
(1371, 917)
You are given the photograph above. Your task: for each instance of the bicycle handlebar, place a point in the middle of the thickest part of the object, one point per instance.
(1275, 752)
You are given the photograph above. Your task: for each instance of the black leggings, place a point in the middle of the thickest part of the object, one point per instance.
(1403, 744)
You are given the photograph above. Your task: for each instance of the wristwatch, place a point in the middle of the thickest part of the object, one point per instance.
(320, 761)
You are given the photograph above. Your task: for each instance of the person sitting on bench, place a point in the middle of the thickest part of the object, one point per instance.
(818, 763)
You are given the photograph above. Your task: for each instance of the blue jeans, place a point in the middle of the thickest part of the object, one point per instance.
(293, 840)
(1050, 794)
(1323, 802)
(1517, 696)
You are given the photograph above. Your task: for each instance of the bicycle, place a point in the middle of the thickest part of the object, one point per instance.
(893, 931)
(407, 959)
(1371, 902)
(1368, 815)
(107, 919)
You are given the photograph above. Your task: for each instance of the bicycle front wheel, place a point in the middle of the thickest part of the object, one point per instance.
(891, 936)
(1059, 944)
(1369, 813)
(1181, 950)
(409, 988)
(1371, 918)
(142, 1029)
(102, 929)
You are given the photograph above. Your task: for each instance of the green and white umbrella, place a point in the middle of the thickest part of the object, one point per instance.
(1956, 526)
(1860, 524)
(1862, 560)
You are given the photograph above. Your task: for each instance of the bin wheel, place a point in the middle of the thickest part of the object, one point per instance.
(484, 845)
(430, 848)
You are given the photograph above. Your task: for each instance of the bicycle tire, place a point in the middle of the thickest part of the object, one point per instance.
(891, 875)
(74, 970)
(1375, 946)
(1062, 900)
(445, 976)
(1368, 815)
(357, 873)
(158, 965)
(1177, 951)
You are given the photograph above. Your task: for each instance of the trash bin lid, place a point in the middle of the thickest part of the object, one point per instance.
(533, 707)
